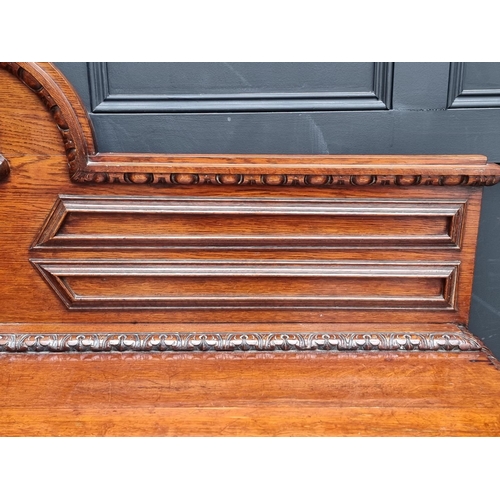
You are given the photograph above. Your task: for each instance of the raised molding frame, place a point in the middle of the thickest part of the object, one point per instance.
(476, 98)
(52, 235)
(58, 274)
(358, 173)
(102, 101)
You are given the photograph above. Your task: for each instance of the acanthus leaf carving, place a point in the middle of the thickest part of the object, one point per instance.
(285, 341)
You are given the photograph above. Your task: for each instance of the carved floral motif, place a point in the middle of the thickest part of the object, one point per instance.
(88, 342)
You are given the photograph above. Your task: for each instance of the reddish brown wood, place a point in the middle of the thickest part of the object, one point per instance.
(360, 265)
(313, 234)
(207, 223)
(68, 113)
(175, 337)
(444, 223)
(277, 285)
(274, 171)
(69, 117)
(245, 394)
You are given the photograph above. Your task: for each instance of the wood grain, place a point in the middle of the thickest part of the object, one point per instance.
(267, 394)
(4, 168)
(87, 166)
(252, 284)
(290, 230)
(320, 171)
(324, 295)
(169, 222)
(41, 180)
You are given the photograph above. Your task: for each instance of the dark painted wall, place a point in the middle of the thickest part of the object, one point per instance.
(310, 108)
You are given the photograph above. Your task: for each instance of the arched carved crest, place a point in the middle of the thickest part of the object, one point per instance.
(71, 119)
(88, 166)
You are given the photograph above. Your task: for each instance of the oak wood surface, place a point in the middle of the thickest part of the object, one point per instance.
(37, 117)
(37, 182)
(65, 117)
(242, 394)
(427, 257)
(4, 168)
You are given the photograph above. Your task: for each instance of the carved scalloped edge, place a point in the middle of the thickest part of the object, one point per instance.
(75, 127)
(61, 111)
(301, 180)
(4, 168)
(90, 342)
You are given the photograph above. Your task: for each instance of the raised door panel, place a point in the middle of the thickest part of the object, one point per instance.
(234, 87)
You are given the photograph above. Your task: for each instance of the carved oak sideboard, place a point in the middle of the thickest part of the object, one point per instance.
(158, 252)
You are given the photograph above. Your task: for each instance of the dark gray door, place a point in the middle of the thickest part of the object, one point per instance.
(310, 108)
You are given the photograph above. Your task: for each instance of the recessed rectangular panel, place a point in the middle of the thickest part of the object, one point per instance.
(474, 85)
(250, 284)
(134, 222)
(481, 75)
(177, 78)
(238, 86)
(234, 288)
